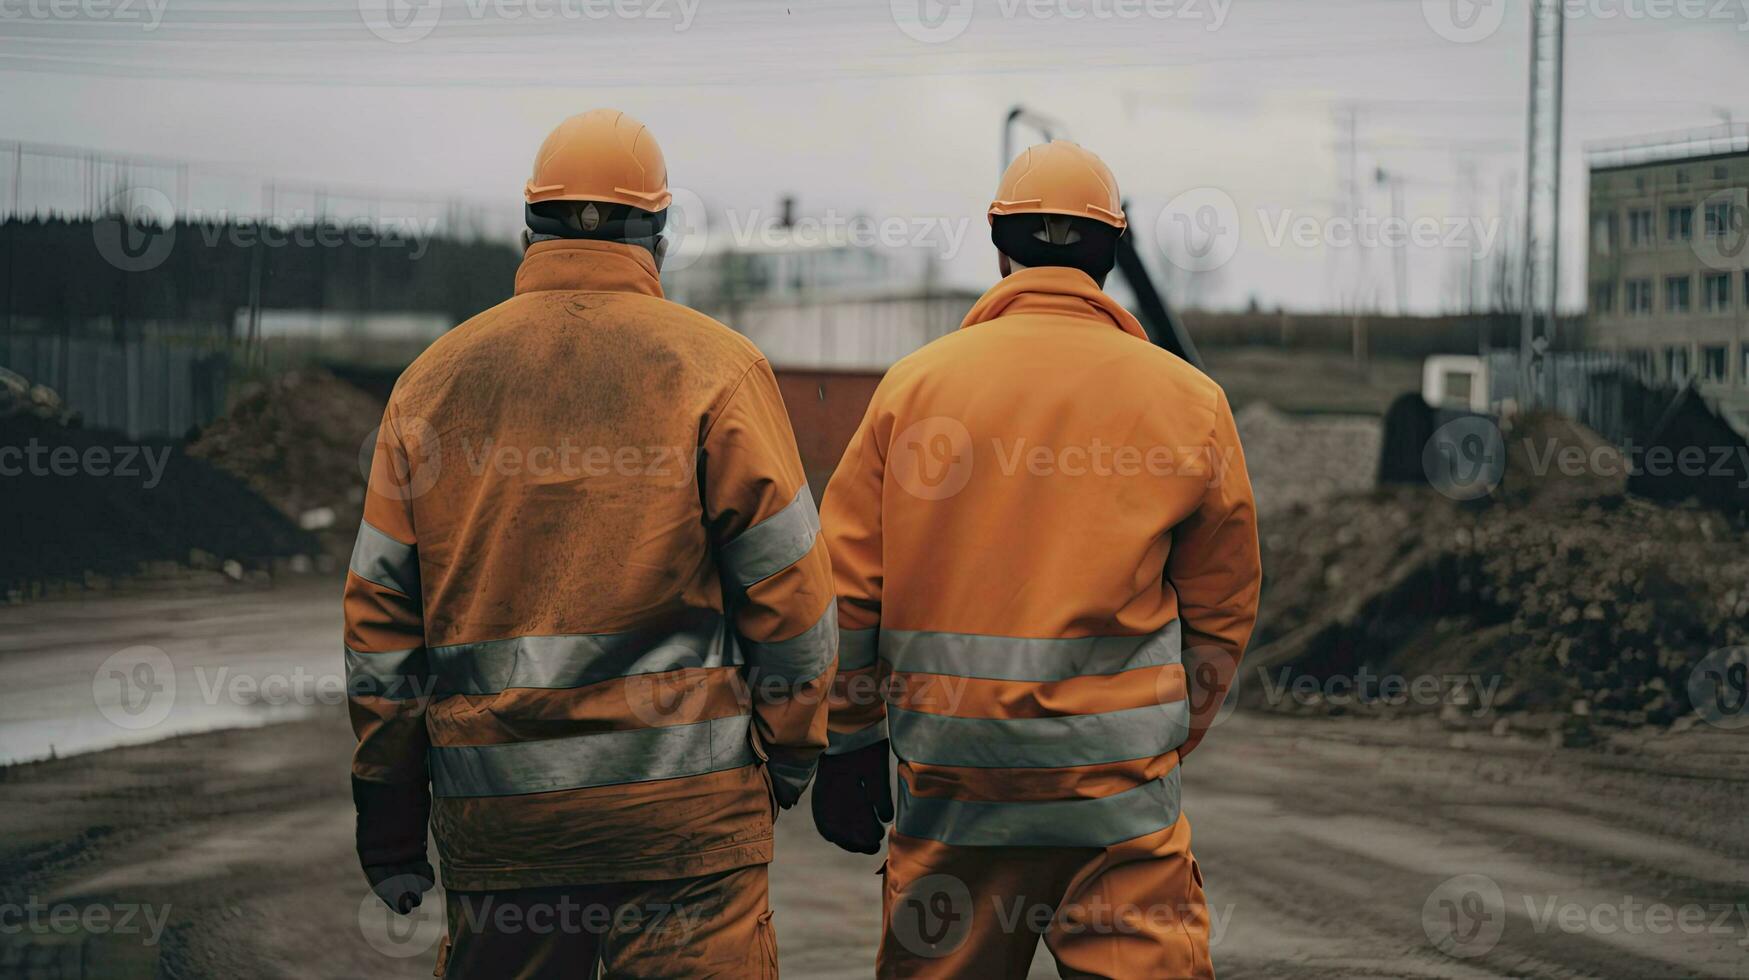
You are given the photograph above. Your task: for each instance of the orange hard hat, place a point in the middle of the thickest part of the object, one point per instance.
(1059, 177)
(600, 155)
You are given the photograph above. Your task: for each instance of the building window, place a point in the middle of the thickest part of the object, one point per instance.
(1640, 232)
(1718, 219)
(1676, 363)
(1676, 294)
(1715, 291)
(1720, 173)
(1639, 182)
(1640, 297)
(1681, 177)
(1604, 228)
(1713, 364)
(1603, 297)
(1679, 223)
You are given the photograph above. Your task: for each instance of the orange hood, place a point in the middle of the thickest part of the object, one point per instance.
(1052, 290)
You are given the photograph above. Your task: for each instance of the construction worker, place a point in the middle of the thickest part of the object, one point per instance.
(1046, 563)
(589, 628)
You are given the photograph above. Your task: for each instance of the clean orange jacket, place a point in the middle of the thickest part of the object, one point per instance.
(1042, 526)
(588, 602)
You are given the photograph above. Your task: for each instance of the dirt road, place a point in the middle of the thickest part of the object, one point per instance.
(1332, 848)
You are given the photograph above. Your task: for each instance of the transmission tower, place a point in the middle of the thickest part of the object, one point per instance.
(1542, 190)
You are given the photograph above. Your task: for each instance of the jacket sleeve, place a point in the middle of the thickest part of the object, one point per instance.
(779, 581)
(852, 524)
(1215, 569)
(387, 682)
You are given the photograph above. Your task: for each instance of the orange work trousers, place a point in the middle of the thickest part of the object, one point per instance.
(1130, 911)
(716, 925)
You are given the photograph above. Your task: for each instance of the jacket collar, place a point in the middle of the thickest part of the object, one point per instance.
(1052, 290)
(589, 266)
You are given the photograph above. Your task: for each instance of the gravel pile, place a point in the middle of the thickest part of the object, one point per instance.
(1299, 459)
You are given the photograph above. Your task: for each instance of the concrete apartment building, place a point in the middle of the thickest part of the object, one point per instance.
(1668, 279)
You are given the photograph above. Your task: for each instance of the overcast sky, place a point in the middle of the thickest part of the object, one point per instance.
(1210, 113)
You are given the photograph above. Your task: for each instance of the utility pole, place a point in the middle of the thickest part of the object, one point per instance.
(1471, 211)
(15, 220)
(1559, 13)
(1350, 177)
(1348, 164)
(1399, 252)
(1540, 277)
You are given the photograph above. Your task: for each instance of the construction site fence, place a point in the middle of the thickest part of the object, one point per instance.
(144, 389)
(1370, 335)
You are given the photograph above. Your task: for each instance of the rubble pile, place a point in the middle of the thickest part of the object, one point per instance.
(1575, 598)
(19, 397)
(298, 441)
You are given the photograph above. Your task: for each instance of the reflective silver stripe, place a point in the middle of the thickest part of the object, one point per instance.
(381, 560)
(1038, 743)
(1008, 658)
(856, 648)
(796, 777)
(796, 660)
(775, 543)
(837, 744)
(578, 659)
(595, 759)
(1146, 809)
(398, 675)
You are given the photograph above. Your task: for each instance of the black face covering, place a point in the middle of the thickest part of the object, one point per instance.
(1092, 247)
(595, 222)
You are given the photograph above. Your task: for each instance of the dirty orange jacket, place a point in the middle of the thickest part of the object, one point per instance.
(588, 602)
(1042, 527)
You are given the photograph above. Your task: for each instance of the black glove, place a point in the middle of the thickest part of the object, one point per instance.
(402, 887)
(784, 792)
(852, 798)
(392, 818)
